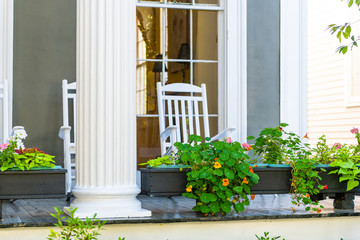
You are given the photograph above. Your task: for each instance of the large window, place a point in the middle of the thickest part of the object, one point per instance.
(177, 42)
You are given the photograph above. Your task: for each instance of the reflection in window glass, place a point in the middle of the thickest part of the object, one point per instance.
(207, 2)
(205, 35)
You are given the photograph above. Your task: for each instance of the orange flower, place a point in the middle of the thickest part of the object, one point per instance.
(318, 210)
(253, 196)
(216, 159)
(189, 189)
(307, 195)
(225, 182)
(217, 165)
(306, 136)
(293, 209)
(251, 169)
(245, 181)
(204, 189)
(254, 166)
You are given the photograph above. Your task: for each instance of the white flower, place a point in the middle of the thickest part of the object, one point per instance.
(21, 134)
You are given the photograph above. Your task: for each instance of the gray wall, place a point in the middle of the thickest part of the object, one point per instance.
(44, 54)
(263, 64)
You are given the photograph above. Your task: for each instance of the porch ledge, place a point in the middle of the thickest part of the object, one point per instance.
(36, 212)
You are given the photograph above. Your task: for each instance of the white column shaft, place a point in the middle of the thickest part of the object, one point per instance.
(106, 135)
(6, 61)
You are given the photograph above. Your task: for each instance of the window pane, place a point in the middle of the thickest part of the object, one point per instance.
(207, 2)
(151, 1)
(179, 72)
(205, 35)
(148, 139)
(146, 87)
(180, 1)
(178, 37)
(148, 32)
(208, 73)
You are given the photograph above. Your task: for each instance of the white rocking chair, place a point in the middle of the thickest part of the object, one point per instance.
(65, 133)
(179, 114)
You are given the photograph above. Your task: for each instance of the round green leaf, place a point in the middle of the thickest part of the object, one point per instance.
(239, 207)
(214, 206)
(218, 172)
(238, 189)
(205, 209)
(229, 173)
(221, 194)
(224, 156)
(230, 162)
(226, 207)
(229, 193)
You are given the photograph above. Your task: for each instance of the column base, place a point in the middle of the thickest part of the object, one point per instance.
(107, 203)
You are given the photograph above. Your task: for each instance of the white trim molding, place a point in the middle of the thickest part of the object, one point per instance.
(236, 68)
(6, 59)
(293, 65)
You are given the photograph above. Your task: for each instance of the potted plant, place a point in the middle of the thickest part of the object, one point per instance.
(221, 176)
(162, 177)
(28, 172)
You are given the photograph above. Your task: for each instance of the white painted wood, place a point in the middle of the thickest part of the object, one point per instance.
(235, 99)
(4, 98)
(6, 63)
(293, 65)
(328, 112)
(182, 94)
(65, 133)
(106, 120)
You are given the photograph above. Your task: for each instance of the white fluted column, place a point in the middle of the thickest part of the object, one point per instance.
(6, 63)
(106, 117)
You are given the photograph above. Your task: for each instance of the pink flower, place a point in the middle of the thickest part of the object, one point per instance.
(325, 187)
(337, 145)
(228, 140)
(246, 146)
(4, 146)
(354, 131)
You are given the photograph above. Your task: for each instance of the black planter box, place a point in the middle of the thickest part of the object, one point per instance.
(32, 184)
(332, 182)
(272, 180)
(163, 181)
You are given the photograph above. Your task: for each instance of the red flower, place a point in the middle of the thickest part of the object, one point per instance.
(325, 187)
(318, 210)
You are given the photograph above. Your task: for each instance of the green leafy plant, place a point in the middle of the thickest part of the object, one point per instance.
(266, 237)
(24, 159)
(74, 228)
(220, 176)
(15, 155)
(164, 160)
(276, 146)
(305, 183)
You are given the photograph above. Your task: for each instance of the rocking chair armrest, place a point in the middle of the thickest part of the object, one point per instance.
(63, 130)
(169, 131)
(224, 133)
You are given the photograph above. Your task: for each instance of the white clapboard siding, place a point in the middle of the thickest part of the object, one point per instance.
(328, 112)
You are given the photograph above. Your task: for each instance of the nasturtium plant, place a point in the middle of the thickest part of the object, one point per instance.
(220, 176)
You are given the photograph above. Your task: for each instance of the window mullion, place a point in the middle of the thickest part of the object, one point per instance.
(191, 47)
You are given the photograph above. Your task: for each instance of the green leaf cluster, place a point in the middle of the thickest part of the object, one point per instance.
(24, 159)
(164, 160)
(73, 228)
(276, 146)
(266, 237)
(220, 176)
(343, 31)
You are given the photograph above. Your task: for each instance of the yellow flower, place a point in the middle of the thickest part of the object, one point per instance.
(189, 189)
(217, 165)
